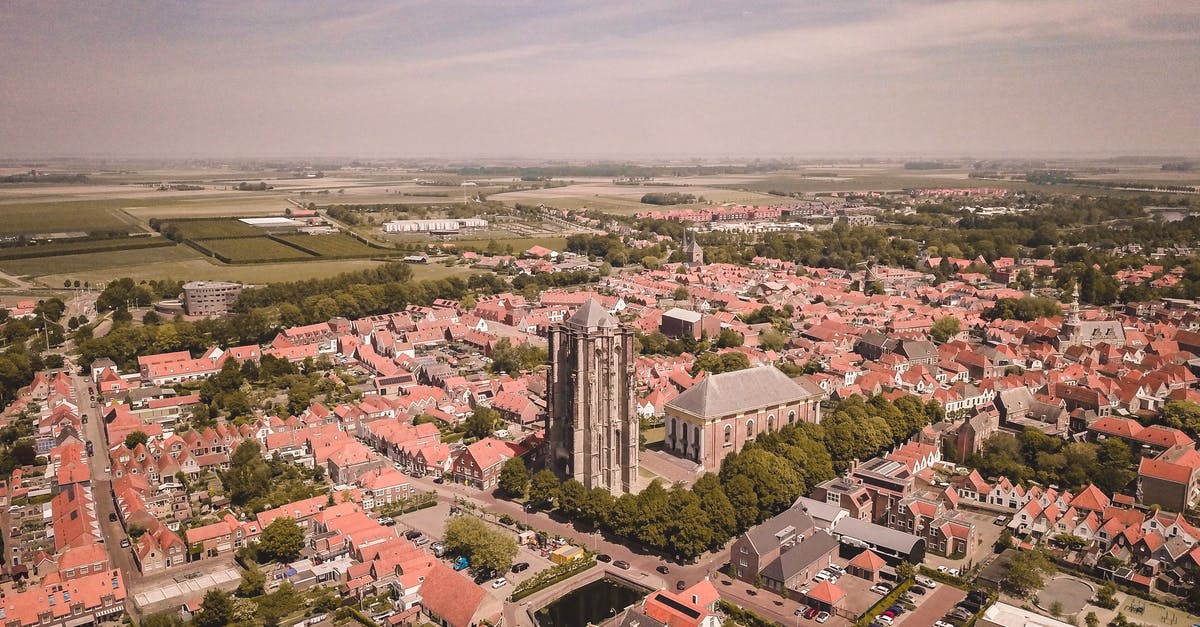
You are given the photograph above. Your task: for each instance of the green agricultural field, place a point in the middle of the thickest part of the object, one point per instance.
(334, 246)
(219, 228)
(102, 266)
(252, 250)
(58, 249)
(19, 218)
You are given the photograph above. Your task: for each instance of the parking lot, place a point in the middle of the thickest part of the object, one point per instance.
(432, 523)
(932, 606)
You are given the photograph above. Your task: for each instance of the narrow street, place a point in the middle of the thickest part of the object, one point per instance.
(93, 431)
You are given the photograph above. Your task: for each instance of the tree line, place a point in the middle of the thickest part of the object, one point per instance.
(760, 481)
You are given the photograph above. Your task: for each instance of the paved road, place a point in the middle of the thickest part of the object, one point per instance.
(112, 532)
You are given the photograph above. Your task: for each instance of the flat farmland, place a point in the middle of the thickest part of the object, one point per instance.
(36, 216)
(626, 199)
(215, 229)
(70, 247)
(253, 250)
(334, 245)
(100, 266)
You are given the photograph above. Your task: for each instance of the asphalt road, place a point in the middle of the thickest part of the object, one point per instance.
(112, 532)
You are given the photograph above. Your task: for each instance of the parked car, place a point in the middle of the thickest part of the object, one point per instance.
(896, 610)
(822, 617)
(977, 595)
(438, 480)
(603, 557)
(318, 618)
(679, 585)
(917, 590)
(927, 582)
(811, 613)
(412, 534)
(885, 619)
(112, 517)
(520, 566)
(942, 623)
(881, 588)
(959, 613)
(499, 583)
(663, 569)
(999, 520)
(124, 543)
(621, 564)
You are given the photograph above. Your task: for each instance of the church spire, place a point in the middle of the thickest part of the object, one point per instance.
(1074, 318)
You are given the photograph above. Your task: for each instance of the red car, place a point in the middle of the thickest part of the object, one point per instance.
(811, 613)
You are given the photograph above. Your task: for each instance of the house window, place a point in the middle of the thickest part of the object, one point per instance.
(749, 428)
(791, 416)
(728, 435)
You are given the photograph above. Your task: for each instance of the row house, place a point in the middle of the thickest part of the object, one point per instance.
(479, 464)
(221, 538)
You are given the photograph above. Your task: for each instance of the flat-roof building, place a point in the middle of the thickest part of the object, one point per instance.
(210, 298)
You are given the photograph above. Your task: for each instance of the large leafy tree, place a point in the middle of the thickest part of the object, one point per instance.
(248, 476)
(281, 541)
(482, 422)
(543, 489)
(216, 610)
(485, 546)
(514, 477)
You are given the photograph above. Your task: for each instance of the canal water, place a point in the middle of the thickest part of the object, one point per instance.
(594, 603)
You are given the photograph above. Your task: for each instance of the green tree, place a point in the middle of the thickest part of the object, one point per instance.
(771, 340)
(135, 438)
(1115, 465)
(713, 500)
(680, 293)
(274, 607)
(514, 478)
(485, 546)
(1027, 571)
(253, 583)
(728, 338)
(543, 489)
(248, 476)
(1183, 415)
(216, 610)
(482, 422)
(572, 497)
(1091, 620)
(944, 328)
(281, 541)
(1106, 596)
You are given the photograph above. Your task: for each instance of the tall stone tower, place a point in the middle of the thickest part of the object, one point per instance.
(593, 434)
(692, 251)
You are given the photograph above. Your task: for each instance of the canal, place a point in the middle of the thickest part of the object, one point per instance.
(594, 603)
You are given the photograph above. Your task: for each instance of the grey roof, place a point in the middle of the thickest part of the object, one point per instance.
(800, 556)
(731, 392)
(876, 535)
(787, 524)
(918, 349)
(591, 315)
(683, 314)
(824, 514)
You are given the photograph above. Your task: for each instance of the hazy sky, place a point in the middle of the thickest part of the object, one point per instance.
(592, 78)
